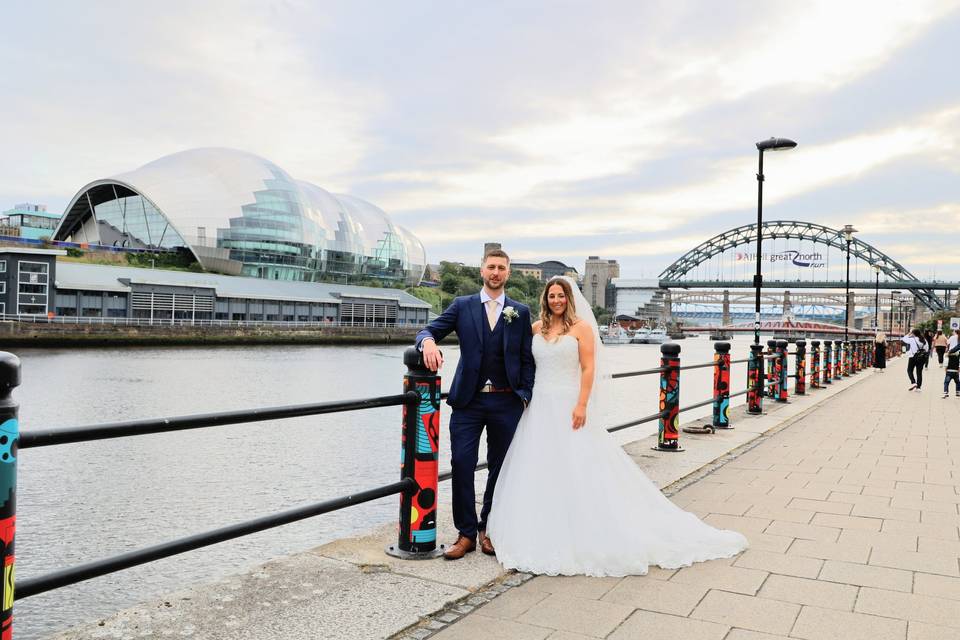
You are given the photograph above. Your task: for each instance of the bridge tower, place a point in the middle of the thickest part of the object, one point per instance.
(667, 316)
(851, 310)
(787, 306)
(726, 308)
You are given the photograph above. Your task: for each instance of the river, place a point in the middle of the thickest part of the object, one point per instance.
(82, 502)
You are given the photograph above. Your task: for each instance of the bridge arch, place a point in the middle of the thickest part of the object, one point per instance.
(747, 235)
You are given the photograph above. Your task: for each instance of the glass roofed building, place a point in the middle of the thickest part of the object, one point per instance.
(240, 214)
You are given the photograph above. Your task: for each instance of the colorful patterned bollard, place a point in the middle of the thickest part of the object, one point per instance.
(668, 436)
(755, 380)
(417, 539)
(815, 364)
(9, 439)
(801, 384)
(837, 359)
(721, 385)
(782, 366)
(773, 379)
(827, 362)
(846, 359)
(855, 358)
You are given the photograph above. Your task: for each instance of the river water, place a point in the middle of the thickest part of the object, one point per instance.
(82, 502)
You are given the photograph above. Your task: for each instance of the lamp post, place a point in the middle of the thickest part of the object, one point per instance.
(772, 144)
(876, 300)
(848, 232)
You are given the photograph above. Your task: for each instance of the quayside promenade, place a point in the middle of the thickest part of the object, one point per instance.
(851, 512)
(847, 495)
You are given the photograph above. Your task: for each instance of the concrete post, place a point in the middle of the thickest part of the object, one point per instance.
(420, 451)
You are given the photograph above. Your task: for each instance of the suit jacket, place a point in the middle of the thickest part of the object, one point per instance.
(467, 317)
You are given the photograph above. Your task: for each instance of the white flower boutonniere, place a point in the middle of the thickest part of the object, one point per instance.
(510, 314)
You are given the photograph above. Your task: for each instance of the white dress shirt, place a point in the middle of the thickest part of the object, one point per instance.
(484, 297)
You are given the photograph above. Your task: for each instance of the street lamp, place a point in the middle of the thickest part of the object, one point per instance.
(773, 144)
(876, 300)
(848, 232)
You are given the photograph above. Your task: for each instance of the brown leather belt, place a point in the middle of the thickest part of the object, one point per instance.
(489, 388)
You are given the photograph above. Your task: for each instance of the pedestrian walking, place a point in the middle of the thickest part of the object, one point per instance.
(953, 371)
(880, 352)
(940, 343)
(917, 351)
(928, 338)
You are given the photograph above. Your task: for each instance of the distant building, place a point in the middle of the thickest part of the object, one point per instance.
(639, 298)
(597, 275)
(548, 269)
(31, 221)
(33, 283)
(533, 272)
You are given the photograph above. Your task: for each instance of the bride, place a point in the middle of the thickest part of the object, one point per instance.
(569, 500)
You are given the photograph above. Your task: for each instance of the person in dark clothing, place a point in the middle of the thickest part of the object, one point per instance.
(880, 352)
(953, 372)
(917, 350)
(928, 338)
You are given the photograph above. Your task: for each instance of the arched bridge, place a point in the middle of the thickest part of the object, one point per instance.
(677, 275)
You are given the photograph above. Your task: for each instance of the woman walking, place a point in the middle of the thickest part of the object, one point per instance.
(880, 352)
(916, 356)
(940, 344)
(928, 338)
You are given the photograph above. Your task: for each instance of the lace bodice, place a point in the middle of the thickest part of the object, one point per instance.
(558, 362)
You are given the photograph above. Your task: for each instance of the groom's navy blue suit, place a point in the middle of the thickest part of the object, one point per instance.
(503, 357)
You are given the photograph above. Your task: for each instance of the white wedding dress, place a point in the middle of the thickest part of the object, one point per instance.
(574, 503)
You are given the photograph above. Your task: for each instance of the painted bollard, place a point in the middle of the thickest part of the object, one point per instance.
(721, 385)
(815, 364)
(837, 359)
(755, 380)
(782, 370)
(846, 359)
(855, 357)
(801, 384)
(420, 457)
(773, 379)
(9, 440)
(668, 435)
(827, 362)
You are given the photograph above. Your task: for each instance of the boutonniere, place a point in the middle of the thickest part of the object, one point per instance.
(510, 314)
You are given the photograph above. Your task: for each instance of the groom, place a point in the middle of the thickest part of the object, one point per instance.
(492, 386)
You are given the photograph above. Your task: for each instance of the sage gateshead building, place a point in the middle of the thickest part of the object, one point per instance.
(239, 214)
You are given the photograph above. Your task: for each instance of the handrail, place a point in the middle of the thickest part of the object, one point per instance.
(49, 437)
(73, 575)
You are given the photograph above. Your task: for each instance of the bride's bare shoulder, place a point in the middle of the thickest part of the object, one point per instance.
(535, 329)
(581, 330)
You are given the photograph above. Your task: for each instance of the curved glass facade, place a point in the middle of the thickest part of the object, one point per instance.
(240, 213)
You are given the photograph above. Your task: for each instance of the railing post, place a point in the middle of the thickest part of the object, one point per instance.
(815, 364)
(668, 436)
(417, 538)
(721, 385)
(9, 439)
(801, 384)
(827, 362)
(755, 380)
(837, 359)
(773, 379)
(782, 370)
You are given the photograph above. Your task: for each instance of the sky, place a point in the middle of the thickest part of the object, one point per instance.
(560, 129)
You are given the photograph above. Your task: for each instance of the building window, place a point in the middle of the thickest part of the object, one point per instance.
(3, 266)
(3, 286)
(32, 288)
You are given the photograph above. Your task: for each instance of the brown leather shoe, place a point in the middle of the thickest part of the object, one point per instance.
(486, 545)
(460, 548)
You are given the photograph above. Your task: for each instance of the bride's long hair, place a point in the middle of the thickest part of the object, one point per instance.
(569, 317)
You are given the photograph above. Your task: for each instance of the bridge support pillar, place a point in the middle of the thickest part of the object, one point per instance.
(851, 310)
(667, 316)
(726, 308)
(787, 306)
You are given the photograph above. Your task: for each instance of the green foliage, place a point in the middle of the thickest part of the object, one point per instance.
(931, 324)
(74, 252)
(602, 315)
(179, 261)
(459, 280)
(435, 297)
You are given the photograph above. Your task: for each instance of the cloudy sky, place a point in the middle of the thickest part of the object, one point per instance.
(561, 129)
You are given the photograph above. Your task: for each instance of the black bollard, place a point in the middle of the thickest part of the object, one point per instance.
(828, 362)
(755, 380)
(837, 359)
(417, 537)
(815, 365)
(773, 378)
(781, 370)
(9, 441)
(800, 387)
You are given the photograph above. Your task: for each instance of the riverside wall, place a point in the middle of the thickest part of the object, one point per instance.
(21, 334)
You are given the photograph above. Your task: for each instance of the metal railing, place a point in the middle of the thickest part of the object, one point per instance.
(419, 477)
(203, 322)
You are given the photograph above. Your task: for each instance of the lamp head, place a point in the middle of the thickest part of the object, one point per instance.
(776, 144)
(848, 232)
(876, 268)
